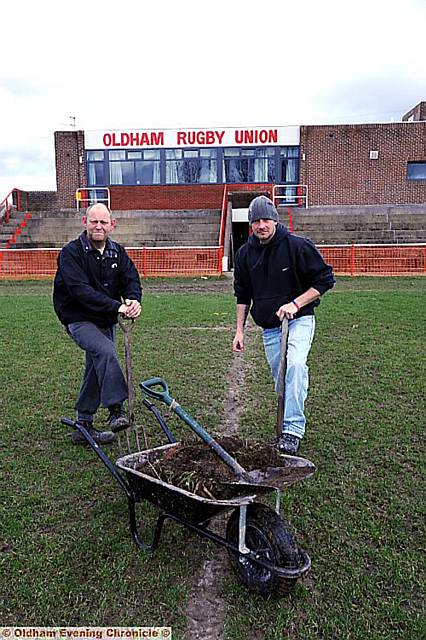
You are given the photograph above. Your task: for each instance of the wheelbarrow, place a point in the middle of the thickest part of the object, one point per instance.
(259, 542)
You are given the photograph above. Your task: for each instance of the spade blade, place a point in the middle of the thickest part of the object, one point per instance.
(290, 470)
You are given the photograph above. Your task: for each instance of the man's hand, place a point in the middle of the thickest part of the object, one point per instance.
(238, 341)
(131, 309)
(288, 310)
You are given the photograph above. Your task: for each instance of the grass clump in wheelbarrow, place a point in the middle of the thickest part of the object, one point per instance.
(197, 469)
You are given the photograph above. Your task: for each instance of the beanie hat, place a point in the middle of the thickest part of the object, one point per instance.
(262, 207)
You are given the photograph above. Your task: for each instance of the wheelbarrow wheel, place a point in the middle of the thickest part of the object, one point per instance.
(269, 536)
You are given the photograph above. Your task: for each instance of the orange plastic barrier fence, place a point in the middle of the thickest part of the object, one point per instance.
(382, 260)
(40, 264)
(177, 261)
(355, 260)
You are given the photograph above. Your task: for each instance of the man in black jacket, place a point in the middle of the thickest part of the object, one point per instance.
(93, 278)
(276, 275)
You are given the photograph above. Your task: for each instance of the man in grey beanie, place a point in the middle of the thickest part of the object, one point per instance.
(278, 274)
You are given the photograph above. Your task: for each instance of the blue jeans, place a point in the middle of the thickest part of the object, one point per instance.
(103, 381)
(300, 335)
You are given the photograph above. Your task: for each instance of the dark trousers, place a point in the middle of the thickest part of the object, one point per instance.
(103, 381)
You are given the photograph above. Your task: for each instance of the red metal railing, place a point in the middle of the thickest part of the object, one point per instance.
(223, 215)
(5, 205)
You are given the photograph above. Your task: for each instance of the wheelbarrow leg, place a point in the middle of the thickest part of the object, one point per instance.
(134, 528)
(158, 529)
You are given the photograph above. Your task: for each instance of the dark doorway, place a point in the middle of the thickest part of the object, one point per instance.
(240, 234)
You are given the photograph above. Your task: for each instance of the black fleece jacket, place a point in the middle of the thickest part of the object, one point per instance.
(266, 276)
(89, 285)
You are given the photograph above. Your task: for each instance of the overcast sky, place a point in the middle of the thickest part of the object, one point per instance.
(189, 63)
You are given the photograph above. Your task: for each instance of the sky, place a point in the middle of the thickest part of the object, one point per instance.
(189, 63)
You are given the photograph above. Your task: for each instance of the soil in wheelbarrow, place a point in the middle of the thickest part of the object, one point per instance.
(198, 469)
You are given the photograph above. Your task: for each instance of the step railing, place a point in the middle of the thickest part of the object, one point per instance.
(85, 197)
(7, 204)
(290, 195)
(223, 213)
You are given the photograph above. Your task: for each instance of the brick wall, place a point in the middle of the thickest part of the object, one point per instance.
(181, 197)
(416, 113)
(70, 166)
(39, 200)
(336, 165)
(337, 169)
(174, 197)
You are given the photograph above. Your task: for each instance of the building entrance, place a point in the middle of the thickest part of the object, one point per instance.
(239, 235)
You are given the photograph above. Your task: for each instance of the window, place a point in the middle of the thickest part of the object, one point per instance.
(289, 157)
(95, 156)
(134, 167)
(95, 174)
(122, 172)
(191, 166)
(274, 164)
(117, 155)
(289, 173)
(416, 170)
(95, 168)
(249, 165)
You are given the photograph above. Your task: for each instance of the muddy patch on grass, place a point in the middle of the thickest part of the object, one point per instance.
(234, 401)
(218, 284)
(206, 609)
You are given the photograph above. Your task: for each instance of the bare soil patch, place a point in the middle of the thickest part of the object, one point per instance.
(222, 284)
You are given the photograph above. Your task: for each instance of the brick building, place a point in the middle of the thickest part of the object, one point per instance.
(363, 164)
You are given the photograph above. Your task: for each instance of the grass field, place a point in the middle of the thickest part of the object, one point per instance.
(66, 556)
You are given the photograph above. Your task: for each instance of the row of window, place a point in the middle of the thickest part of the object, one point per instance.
(193, 166)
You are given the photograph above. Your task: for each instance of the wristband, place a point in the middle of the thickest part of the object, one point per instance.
(295, 304)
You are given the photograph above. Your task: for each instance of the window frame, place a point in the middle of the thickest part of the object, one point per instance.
(412, 164)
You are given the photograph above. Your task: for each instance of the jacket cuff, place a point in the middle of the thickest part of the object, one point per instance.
(246, 301)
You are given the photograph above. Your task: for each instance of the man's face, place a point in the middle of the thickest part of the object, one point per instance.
(99, 225)
(264, 229)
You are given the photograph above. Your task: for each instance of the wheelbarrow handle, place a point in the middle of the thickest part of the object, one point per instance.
(148, 386)
(101, 455)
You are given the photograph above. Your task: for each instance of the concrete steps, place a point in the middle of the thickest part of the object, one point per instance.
(6, 230)
(369, 224)
(323, 225)
(134, 228)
